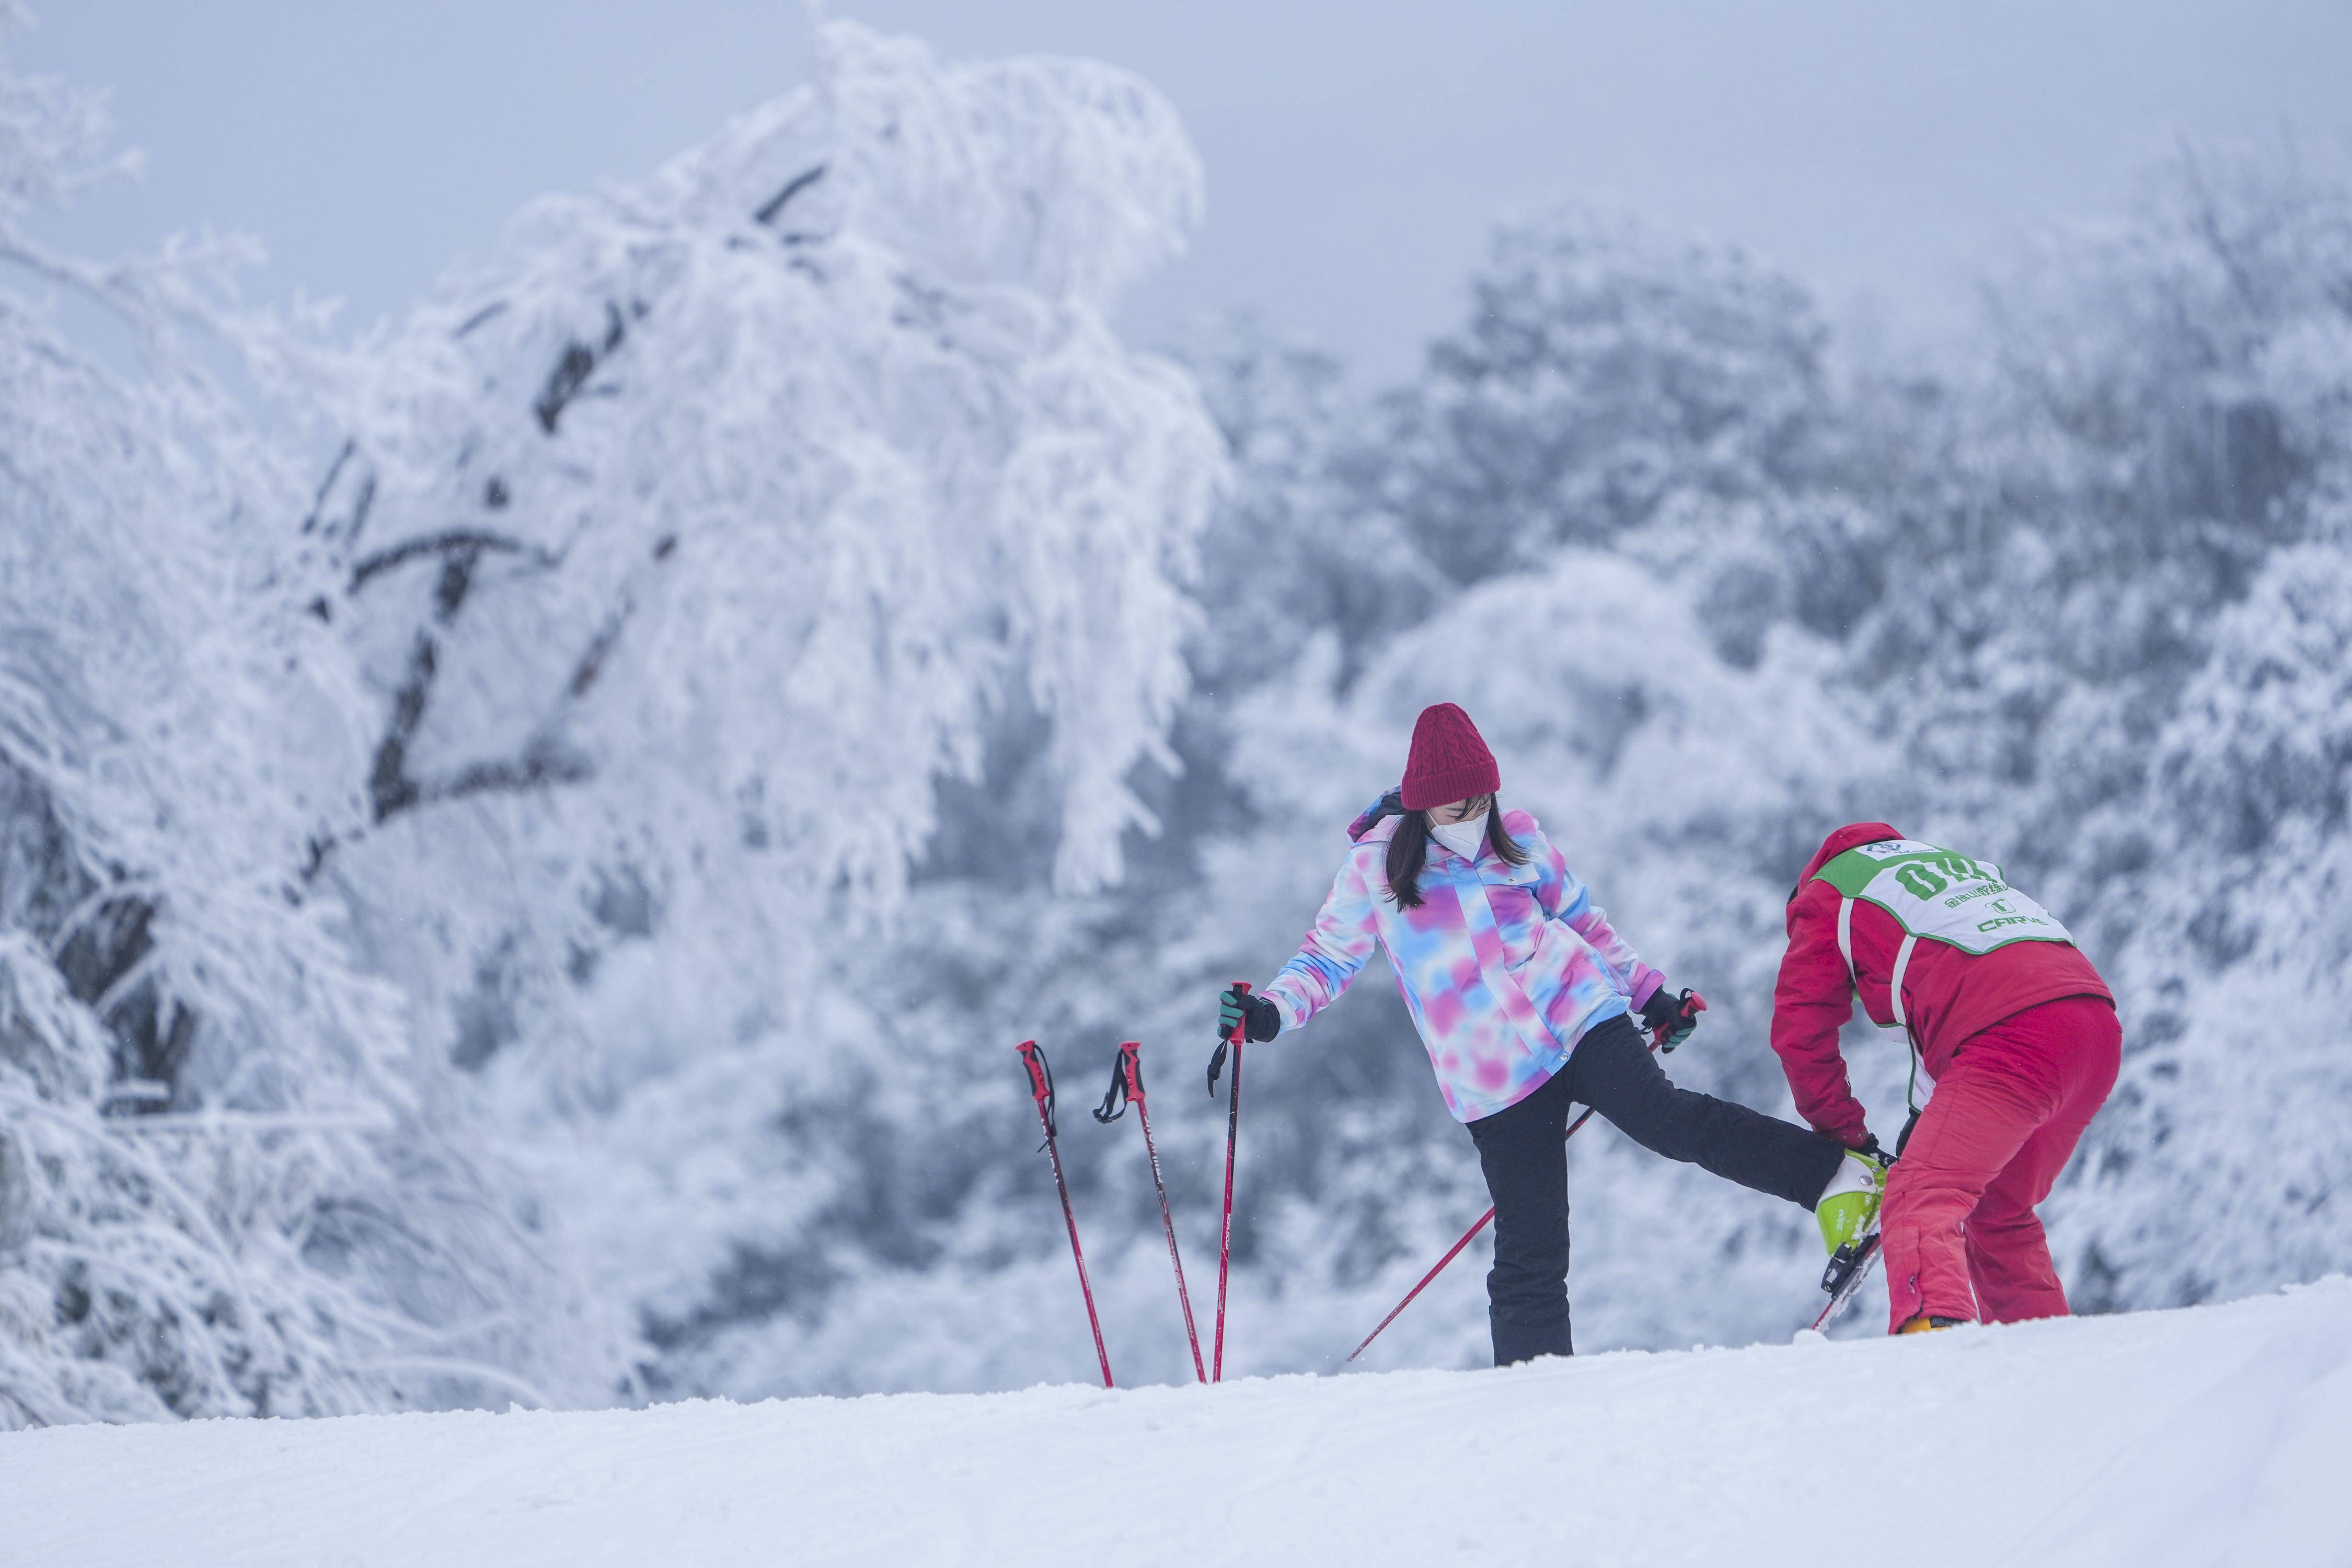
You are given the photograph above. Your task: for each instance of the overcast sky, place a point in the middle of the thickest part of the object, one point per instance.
(1358, 150)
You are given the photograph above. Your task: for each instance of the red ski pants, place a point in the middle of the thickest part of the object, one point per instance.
(1961, 1237)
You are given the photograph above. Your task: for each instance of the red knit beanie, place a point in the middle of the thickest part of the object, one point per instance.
(1448, 761)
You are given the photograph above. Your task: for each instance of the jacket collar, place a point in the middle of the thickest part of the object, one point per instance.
(1843, 839)
(1381, 833)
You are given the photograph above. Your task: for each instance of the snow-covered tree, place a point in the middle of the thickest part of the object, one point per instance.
(1606, 368)
(2108, 642)
(2215, 1173)
(1306, 545)
(693, 543)
(221, 1190)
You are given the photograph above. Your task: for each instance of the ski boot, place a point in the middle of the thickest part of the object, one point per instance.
(1925, 1324)
(1848, 1207)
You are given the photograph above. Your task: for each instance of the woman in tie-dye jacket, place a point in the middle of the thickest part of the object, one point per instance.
(1523, 994)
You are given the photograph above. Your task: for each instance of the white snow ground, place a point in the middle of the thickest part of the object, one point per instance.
(2215, 1435)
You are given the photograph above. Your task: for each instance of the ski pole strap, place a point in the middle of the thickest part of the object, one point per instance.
(1114, 1103)
(1126, 1084)
(1226, 1042)
(1041, 1083)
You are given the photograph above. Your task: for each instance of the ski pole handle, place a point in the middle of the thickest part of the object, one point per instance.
(1041, 1081)
(1126, 1084)
(1687, 1011)
(1231, 1040)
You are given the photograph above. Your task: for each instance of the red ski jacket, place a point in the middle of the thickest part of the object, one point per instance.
(1947, 994)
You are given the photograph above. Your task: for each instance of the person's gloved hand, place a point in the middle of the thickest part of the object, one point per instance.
(1261, 1018)
(1670, 1019)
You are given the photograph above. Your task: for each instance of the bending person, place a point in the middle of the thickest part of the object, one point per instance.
(2014, 1031)
(1522, 993)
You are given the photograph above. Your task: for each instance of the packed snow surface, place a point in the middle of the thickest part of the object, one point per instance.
(2215, 1435)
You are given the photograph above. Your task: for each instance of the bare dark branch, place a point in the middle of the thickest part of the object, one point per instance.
(334, 472)
(389, 789)
(540, 764)
(495, 308)
(578, 362)
(774, 206)
(471, 541)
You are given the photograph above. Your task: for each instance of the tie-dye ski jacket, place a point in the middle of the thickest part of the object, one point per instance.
(1503, 967)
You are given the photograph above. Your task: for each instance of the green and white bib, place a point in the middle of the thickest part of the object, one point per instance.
(1937, 895)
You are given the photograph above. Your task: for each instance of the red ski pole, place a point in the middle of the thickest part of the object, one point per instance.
(1452, 1253)
(1041, 1087)
(1436, 1269)
(1658, 1039)
(1233, 1137)
(1126, 1082)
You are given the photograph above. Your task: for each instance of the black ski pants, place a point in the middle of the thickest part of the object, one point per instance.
(1523, 1151)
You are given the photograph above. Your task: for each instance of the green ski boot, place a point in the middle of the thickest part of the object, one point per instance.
(1848, 1206)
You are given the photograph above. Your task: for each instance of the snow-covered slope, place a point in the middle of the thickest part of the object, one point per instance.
(2209, 1436)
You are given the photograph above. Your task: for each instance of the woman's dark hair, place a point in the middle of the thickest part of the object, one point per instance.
(1408, 851)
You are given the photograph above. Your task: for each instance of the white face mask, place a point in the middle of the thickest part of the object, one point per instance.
(1462, 837)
